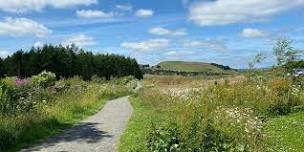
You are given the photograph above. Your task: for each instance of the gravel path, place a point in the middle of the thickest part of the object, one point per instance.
(99, 133)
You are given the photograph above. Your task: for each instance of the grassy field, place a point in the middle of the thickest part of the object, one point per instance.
(190, 67)
(285, 133)
(228, 114)
(30, 113)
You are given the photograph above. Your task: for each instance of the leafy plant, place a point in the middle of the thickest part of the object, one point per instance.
(284, 52)
(44, 79)
(164, 139)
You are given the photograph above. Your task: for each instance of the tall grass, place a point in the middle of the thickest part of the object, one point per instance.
(226, 115)
(52, 109)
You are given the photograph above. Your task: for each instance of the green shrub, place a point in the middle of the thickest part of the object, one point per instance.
(7, 139)
(216, 140)
(164, 139)
(123, 80)
(44, 79)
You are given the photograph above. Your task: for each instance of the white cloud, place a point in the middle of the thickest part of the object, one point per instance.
(126, 7)
(164, 31)
(21, 6)
(148, 45)
(253, 33)
(38, 44)
(4, 54)
(216, 45)
(79, 40)
(179, 53)
(223, 12)
(22, 27)
(144, 13)
(94, 14)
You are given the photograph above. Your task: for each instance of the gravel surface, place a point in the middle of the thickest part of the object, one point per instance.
(99, 133)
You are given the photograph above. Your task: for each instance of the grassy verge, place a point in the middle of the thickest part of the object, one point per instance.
(285, 133)
(132, 139)
(63, 111)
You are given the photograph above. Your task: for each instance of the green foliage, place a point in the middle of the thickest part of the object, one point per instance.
(164, 139)
(284, 52)
(293, 65)
(16, 98)
(259, 58)
(68, 62)
(44, 79)
(227, 116)
(2, 71)
(29, 113)
(215, 140)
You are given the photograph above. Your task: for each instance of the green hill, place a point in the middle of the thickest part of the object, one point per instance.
(182, 66)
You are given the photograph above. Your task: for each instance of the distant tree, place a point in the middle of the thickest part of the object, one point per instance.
(2, 71)
(67, 62)
(259, 58)
(294, 65)
(221, 66)
(284, 52)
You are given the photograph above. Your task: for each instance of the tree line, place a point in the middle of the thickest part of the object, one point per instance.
(67, 62)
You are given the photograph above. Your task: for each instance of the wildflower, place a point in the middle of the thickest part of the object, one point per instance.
(21, 82)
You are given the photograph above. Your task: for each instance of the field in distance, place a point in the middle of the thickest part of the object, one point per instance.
(183, 66)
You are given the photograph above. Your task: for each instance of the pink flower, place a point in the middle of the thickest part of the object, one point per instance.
(21, 82)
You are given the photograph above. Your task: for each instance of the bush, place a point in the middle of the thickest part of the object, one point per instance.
(7, 139)
(216, 140)
(164, 139)
(123, 80)
(44, 79)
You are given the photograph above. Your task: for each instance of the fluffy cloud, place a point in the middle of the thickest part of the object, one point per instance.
(148, 45)
(163, 31)
(94, 14)
(4, 54)
(144, 13)
(21, 6)
(223, 12)
(38, 44)
(126, 7)
(80, 40)
(179, 53)
(253, 33)
(22, 27)
(210, 44)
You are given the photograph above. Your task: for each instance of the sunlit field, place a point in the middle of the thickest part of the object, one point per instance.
(235, 113)
(151, 76)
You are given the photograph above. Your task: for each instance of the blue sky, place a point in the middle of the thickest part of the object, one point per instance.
(228, 32)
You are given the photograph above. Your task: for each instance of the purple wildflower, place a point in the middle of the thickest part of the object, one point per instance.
(21, 82)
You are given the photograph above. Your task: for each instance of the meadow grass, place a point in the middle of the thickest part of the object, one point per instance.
(63, 110)
(226, 114)
(285, 133)
(132, 138)
(136, 133)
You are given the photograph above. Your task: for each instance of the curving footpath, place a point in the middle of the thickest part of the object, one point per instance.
(98, 133)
